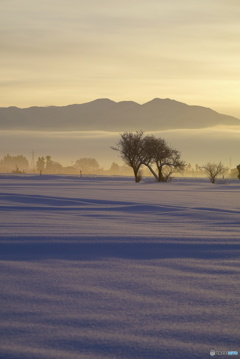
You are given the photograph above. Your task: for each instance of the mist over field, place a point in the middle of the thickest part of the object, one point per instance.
(196, 145)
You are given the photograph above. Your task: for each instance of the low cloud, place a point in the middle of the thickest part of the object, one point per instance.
(196, 146)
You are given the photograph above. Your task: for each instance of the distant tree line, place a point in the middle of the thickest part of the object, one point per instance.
(84, 165)
(144, 155)
(47, 165)
(17, 164)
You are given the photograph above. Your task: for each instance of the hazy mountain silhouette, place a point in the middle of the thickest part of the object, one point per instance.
(107, 115)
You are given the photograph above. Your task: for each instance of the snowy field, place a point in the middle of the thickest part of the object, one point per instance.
(107, 268)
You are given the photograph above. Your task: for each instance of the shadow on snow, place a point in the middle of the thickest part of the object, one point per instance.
(78, 248)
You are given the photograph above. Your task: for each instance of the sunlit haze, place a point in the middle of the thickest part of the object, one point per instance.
(64, 52)
(196, 146)
(73, 51)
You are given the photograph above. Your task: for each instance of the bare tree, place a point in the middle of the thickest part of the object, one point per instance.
(137, 150)
(166, 159)
(131, 150)
(213, 170)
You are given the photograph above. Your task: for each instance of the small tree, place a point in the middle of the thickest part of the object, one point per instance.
(166, 159)
(131, 149)
(213, 170)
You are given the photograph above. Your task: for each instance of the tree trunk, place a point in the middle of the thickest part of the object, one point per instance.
(136, 175)
(213, 179)
(160, 175)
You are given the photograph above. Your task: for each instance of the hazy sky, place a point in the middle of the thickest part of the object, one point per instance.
(61, 52)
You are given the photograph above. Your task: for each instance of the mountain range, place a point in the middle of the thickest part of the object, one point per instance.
(107, 115)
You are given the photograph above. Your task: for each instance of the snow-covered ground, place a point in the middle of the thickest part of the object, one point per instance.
(107, 268)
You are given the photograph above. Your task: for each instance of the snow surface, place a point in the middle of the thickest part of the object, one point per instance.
(107, 268)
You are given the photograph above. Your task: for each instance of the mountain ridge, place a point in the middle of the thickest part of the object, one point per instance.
(108, 115)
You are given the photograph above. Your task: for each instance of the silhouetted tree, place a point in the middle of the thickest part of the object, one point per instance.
(166, 159)
(131, 149)
(137, 150)
(213, 170)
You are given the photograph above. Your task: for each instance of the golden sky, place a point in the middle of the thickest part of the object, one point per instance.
(62, 52)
